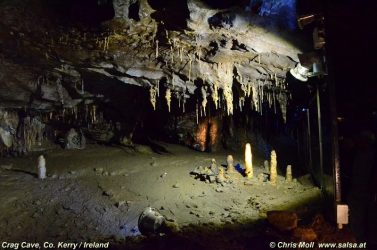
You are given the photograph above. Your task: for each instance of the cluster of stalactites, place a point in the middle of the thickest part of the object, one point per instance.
(225, 73)
(271, 91)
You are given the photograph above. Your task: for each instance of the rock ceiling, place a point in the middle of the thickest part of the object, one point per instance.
(45, 64)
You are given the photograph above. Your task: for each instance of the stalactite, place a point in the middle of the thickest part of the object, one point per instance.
(199, 54)
(171, 55)
(260, 98)
(82, 86)
(228, 96)
(225, 72)
(241, 103)
(157, 48)
(255, 96)
(152, 97)
(204, 101)
(94, 108)
(190, 67)
(181, 54)
(178, 96)
(215, 94)
(75, 112)
(197, 114)
(244, 87)
(168, 98)
(183, 104)
(105, 44)
(158, 88)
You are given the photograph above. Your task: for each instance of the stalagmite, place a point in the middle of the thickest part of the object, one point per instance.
(168, 98)
(220, 178)
(41, 167)
(273, 169)
(230, 163)
(213, 165)
(288, 175)
(248, 161)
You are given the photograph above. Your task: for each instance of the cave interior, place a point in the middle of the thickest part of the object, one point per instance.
(186, 124)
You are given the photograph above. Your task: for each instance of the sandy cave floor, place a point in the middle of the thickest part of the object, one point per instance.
(99, 192)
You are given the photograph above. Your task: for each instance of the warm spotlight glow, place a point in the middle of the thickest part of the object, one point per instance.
(206, 134)
(213, 131)
(201, 135)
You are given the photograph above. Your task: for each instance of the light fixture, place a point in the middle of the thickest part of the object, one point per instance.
(317, 70)
(300, 72)
(305, 20)
(310, 64)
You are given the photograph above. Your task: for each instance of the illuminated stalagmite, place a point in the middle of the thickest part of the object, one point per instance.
(288, 176)
(230, 163)
(248, 161)
(273, 169)
(41, 167)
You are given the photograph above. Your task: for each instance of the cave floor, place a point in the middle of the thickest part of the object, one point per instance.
(99, 193)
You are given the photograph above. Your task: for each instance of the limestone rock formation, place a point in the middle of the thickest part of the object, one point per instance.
(210, 58)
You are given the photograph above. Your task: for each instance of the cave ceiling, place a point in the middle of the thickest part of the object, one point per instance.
(48, 57)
